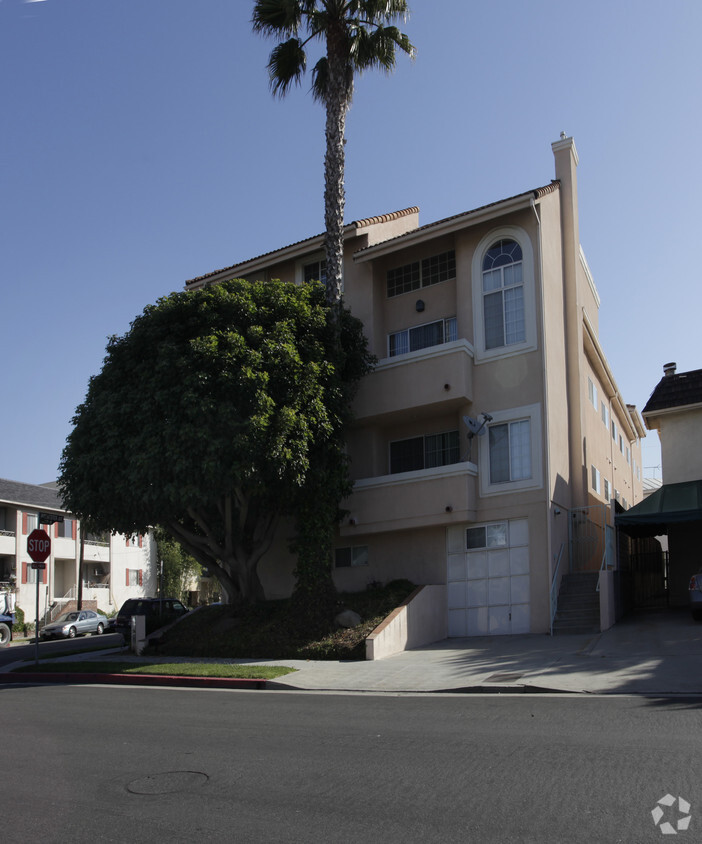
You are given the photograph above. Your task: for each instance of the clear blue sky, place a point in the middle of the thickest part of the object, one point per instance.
(140, 147)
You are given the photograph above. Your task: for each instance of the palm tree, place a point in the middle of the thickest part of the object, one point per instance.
(359, 34)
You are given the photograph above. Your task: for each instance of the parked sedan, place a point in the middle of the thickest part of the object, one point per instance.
(72, 624)
(696, 596)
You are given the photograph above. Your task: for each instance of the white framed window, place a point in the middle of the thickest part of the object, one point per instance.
(422, 336)
(628, 455)
(32, 522)
(487, 536)
(614, 431)
(503, 295)
(351, 555)
(605, 415)
(422, 273)
(510, 451)
(621, 444)
(503, 289)
(424, 452)
(606, 489)
(510, 456)
(315, 270)
(592, 392)
(595, 479)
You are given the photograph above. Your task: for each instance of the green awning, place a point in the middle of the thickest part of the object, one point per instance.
(671, 504)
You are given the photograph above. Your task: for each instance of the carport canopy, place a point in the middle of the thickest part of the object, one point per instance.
(671, 504)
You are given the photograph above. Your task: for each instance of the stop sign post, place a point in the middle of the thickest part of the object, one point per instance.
(38, 548)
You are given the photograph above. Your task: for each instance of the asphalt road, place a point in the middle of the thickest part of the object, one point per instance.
(113, 764)
(13, 653)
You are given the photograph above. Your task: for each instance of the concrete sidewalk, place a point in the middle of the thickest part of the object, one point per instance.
(647, 653)
(651, 653)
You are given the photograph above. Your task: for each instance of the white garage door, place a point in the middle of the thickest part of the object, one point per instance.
(488, 578)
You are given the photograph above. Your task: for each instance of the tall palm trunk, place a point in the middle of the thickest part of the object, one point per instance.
(337, 104)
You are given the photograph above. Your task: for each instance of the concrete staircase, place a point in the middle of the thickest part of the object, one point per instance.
(578, 604)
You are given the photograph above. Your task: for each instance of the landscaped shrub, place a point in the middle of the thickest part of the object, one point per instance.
(18, 626)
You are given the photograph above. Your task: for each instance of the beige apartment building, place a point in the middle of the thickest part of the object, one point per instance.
(491, 441)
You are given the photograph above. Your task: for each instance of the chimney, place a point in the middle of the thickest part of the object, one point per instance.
(669, 369)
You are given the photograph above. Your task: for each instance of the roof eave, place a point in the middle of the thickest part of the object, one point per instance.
(455, 223)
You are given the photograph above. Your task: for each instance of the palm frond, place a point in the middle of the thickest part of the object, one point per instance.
(320, 78)
(379, 11)
(286, 65)
(277, 17)
(378, 48)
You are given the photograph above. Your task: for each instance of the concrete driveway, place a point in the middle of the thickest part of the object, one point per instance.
(648, 652)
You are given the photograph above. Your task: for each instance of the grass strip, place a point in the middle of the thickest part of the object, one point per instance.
(175, 669)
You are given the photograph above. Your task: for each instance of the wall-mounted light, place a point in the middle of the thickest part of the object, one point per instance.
(419, 305)
(447, 387)
(352, 521)
(449, 508)
(556, 511)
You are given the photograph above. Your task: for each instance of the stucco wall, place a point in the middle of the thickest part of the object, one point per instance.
(421, 620)
(681, 446)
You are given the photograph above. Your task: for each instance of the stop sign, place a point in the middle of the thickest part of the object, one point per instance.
(38, 545)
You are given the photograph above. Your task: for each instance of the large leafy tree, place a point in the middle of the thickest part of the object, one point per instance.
(212, 416)
(357, 35)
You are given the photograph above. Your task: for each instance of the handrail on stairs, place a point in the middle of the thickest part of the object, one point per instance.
(554, 587)
(602, 568)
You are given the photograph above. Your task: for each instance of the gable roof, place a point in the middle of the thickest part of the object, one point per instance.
(313, 242)
(31, 495)
(676, 390)
(438, 227)
(457, 221)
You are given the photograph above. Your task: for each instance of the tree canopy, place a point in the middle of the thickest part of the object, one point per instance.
(207, 417)
(358, 35)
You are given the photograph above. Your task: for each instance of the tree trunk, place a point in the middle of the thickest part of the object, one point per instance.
(337, 103)
(81, 559)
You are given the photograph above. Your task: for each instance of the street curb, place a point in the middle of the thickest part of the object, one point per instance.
(132, 680)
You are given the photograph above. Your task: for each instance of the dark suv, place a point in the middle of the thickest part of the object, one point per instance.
(158, 611)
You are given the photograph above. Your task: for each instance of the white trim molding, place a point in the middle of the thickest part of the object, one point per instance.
(532, 412)
(519, 235)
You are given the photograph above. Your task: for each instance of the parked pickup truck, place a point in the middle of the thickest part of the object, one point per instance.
(7, 617)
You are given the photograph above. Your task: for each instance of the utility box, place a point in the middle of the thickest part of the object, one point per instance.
(138, 627)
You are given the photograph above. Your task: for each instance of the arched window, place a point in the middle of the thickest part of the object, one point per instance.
(503, 295)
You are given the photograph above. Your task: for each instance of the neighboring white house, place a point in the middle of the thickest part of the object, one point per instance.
(115, 567)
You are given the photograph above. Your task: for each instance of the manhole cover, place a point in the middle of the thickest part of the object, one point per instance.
(167, 782)
(504, 677)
